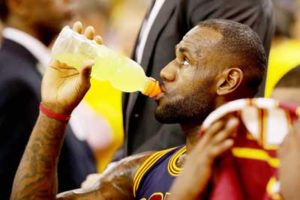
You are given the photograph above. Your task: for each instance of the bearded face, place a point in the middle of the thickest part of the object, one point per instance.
(189, 81)
(191, 107)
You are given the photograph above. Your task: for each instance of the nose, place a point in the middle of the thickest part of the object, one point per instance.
(168, 73)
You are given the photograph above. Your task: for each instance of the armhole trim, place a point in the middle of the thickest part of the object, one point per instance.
(146, 165)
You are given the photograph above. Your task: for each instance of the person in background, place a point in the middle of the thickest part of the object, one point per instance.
(29, 27)
(165, 24)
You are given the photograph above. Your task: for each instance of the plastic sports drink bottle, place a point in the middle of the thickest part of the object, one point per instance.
(123, 73)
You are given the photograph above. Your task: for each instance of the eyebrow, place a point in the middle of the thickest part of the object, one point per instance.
(181, 49)
(184, 50)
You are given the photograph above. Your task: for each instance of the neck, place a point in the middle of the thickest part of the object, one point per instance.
(192, 134)
(46, 39)
(192, 129)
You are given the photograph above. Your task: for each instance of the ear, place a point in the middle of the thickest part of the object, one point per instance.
(229, 81)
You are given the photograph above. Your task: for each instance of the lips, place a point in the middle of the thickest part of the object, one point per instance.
(158, 97)
(163, 88)
(163, 92)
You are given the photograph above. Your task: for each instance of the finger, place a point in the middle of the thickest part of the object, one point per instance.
(78, 27)
(207, 136)
(220, 148)
(98, 39)
(86, 70)
(89, 32)
(228, 131)
(85, 73)
(212, 130)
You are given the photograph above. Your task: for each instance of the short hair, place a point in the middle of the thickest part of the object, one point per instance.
(243, 45)
(290, 79)
(3, 10)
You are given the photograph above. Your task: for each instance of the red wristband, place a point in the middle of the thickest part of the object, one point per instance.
(54, 115)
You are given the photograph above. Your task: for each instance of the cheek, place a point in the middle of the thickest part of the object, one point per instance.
(189, 78)
(196, 80)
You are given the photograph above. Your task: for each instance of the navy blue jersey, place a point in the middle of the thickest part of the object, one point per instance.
(156, 175)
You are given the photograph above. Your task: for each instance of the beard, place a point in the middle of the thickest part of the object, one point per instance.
(190, 109)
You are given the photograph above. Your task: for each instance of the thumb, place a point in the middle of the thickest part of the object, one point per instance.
(85, 71)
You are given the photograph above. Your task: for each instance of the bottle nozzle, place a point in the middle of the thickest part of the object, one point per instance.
(152, 88)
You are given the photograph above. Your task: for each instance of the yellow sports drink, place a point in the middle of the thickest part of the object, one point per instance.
(123, 73)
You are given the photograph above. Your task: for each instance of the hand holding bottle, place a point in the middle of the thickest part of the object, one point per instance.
(64, 86)
(123, 73)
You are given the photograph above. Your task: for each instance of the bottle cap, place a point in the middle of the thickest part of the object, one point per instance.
(152, 88)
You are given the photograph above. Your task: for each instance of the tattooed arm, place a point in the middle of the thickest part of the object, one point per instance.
(36, 176)
(63, 87)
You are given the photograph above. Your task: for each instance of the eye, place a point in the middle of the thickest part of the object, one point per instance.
(186, 61)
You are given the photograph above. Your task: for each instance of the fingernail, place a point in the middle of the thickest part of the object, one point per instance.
(229, 142)
(232, 122)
